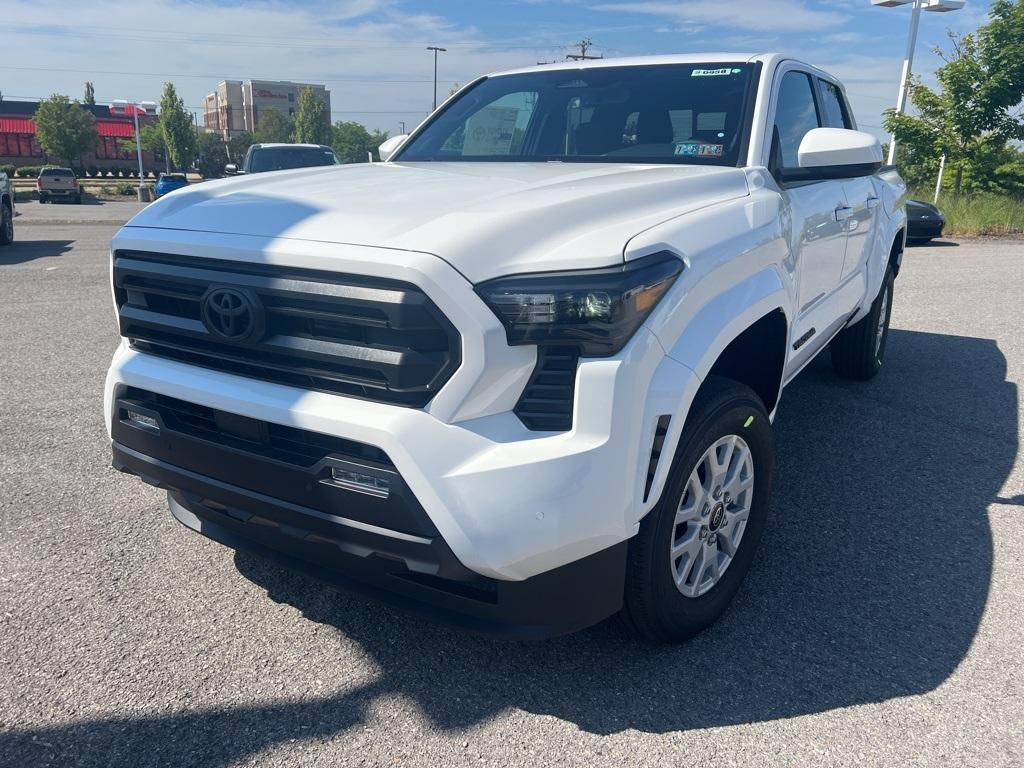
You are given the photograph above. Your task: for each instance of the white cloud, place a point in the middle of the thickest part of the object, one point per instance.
(762, 15)
(196, 45)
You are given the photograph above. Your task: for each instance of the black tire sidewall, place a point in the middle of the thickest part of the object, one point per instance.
(886, 290)
(680, 616)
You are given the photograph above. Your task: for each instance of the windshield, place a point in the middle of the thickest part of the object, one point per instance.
(674, 113)
(282, 158)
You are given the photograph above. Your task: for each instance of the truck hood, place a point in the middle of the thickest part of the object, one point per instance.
(485, 219)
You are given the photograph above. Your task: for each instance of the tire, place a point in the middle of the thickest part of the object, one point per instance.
(654, 607)
(858, 351)
(6, 224)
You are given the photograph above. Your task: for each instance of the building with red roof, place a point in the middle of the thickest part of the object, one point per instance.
(19, 146)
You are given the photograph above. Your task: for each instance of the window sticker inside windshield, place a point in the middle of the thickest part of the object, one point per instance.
(698, 149)
(715, 72)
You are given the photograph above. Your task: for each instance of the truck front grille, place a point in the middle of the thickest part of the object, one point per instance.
(372, 338)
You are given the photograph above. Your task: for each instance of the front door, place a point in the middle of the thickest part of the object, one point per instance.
(819, 214)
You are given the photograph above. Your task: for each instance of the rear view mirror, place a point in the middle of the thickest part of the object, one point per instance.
(389, 147)
(835, 153)
(230, 169)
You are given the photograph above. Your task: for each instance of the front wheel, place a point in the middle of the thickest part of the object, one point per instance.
(694, 548)
(858, 351)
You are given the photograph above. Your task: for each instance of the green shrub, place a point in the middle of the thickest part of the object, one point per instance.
(978, 214)
(92, 170)
(28, 171)
(125, 188)
(8, 169)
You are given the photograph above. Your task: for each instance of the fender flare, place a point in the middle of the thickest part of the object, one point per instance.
(689, 360)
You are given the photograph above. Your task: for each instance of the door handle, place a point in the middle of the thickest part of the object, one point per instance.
(872, 202)
(844, 212)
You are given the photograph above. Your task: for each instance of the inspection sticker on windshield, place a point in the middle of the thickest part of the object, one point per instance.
(715, 72)
(698, 149)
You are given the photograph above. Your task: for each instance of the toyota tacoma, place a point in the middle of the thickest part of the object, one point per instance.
(520, 375)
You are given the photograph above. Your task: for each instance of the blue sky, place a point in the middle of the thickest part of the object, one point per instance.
(370, 53)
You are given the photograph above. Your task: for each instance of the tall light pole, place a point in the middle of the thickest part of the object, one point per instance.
(402, 123)
(935, 6)
(435, 49)
(136, 106)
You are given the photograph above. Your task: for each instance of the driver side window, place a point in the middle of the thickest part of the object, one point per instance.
(795, 114)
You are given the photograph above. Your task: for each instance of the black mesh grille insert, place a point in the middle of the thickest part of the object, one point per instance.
(298, 447)
(377, 339)
(546, 403)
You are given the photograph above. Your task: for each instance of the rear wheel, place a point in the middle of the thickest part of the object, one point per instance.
(858, 351)
(694, 548)
(6, 224)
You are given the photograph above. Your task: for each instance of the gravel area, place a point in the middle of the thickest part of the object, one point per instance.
(881, 624)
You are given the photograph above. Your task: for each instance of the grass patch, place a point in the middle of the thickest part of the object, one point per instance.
(981, 214)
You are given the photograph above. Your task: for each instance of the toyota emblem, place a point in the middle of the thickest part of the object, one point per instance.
(231, 314)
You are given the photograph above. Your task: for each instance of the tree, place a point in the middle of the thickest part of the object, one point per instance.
(64, 129)
(151, 137)
(177, 128)
(975, 113)
(351, 142)
(238, 145)
(274, 127)
(212, 155)
(312, 119)
(90, 94)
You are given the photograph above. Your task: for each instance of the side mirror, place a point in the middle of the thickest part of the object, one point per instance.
(835, 153)
(230, 169)
(389, 147)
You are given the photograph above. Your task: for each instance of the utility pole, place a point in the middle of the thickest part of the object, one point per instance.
(583, 45)
(435, 49)
(402, 123)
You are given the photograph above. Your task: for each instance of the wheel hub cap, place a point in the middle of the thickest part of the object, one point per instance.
(717, 516)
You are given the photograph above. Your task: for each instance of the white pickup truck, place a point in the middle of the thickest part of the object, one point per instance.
(521, 375)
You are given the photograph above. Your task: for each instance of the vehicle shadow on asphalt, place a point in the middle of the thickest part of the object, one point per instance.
(870, 584)
(21, 251)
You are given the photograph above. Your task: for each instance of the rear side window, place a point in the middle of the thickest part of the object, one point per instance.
(833, 106)
(795, 115)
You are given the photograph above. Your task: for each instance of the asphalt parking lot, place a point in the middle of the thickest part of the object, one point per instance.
(881, 624)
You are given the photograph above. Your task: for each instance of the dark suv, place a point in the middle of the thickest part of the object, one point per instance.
(280, 157)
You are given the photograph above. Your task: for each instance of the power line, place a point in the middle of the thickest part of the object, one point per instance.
(202, 109)
(259, 41)
(370, 81)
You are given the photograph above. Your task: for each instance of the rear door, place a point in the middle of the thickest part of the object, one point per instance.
(861, 198)
(817, 214)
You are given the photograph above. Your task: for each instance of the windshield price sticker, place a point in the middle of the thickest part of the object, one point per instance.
(699, 149)
(715, 72)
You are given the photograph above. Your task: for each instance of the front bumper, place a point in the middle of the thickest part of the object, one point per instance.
(510, 504)
(416, 574)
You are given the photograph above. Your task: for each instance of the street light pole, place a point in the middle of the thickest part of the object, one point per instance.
(138, 146)
(937, 6)
(135, 106)
(908, 62)
(435, 49)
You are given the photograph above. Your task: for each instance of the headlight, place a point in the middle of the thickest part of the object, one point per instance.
(597, 310)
